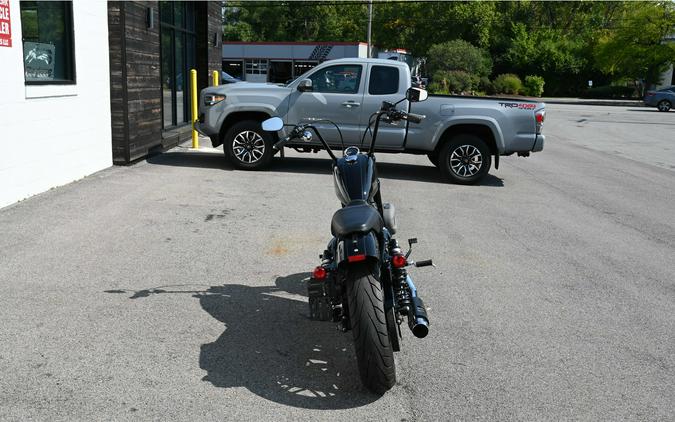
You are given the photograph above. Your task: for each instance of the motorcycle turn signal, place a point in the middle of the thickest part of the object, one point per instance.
(399, 261)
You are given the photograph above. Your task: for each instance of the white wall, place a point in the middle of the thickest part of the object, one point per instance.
(53, 135)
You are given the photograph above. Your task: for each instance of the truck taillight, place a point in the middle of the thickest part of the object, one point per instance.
(539, 117)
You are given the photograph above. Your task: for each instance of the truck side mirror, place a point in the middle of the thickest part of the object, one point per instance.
(415, 95)
(305, 85)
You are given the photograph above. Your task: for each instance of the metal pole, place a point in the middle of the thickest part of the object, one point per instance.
(216, 82)
(370, 24)
(193, 95)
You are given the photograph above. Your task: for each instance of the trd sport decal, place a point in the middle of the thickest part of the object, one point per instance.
(519, 106)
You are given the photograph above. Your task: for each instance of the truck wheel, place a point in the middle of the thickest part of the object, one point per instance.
(247, 146)
(465, 159)
(664, 105)
(433, 158)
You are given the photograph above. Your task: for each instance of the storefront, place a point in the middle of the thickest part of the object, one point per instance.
(55, 95)
(153, 46)
(85, 84)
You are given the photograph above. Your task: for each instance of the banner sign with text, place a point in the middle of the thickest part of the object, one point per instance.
(5, 25)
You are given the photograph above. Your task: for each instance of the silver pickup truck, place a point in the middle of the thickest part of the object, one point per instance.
(460, 135)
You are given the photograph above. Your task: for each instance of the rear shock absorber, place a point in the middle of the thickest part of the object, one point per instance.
(399, 281)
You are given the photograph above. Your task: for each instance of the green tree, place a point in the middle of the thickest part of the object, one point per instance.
(635, 49)
(458, 55)
(567, 43)
(293, 21)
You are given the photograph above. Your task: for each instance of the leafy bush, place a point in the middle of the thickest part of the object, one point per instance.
(458, 55)
(609, 92)
(456, 81)
(438, 88)
(534, 86)
(508, 83)
(484, 85)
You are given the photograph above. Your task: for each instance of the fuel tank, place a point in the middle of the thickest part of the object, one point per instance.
(355, 177)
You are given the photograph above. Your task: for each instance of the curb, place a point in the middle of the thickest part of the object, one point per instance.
(592, 102)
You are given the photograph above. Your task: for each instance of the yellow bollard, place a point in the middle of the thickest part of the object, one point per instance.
(193, 95)
(216, 80)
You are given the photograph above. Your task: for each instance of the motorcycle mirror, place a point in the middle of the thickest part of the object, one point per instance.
(305, 85)
(415, 95)
(272, 124)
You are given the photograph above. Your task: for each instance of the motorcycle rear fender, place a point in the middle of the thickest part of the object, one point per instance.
(357, 247)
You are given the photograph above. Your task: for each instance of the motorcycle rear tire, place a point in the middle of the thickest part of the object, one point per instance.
(374, 352)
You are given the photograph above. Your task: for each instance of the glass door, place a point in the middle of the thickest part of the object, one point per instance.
(177, 52)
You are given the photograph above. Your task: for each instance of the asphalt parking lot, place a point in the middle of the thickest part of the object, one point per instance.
(173, 289)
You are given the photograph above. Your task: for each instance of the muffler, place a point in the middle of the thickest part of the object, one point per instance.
(418, 321)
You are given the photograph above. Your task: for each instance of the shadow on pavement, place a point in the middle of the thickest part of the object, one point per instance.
(395, 171)
(272, 348)
(191, 159)
(648, 110)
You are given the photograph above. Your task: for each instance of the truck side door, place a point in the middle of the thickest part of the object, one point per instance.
(385, 83)
(337, 96)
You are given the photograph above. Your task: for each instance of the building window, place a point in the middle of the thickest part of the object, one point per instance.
(383, 80)
(280, 72)
(256, 67)
(340, 79)
(233, 68)
(48, 53)
(300, 67)
(177, 51)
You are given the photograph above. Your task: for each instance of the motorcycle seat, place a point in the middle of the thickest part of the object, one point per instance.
(356, 219)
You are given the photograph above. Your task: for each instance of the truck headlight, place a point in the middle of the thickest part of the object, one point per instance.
(212, 99)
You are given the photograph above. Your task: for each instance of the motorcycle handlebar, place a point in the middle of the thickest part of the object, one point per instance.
(415, 118)
(424, 263)
(394, 115)
(295, 133)
(281, 143)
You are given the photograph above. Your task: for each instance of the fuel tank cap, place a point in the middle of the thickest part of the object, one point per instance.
(351, 153)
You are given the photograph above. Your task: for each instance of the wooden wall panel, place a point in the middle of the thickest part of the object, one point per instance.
(135, 79)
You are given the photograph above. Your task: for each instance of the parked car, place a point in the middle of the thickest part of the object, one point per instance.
(226, 78)
(463, 136)
(663, 99)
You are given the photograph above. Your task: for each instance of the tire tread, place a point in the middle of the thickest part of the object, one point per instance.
(374, 352)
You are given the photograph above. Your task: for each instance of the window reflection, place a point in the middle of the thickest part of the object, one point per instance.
(178, 57)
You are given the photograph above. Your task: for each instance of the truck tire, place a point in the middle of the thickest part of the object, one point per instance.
(247, 146)
(374, 352)
(465, 159)
(664, 105)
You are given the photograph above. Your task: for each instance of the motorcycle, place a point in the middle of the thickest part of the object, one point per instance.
(362, 282)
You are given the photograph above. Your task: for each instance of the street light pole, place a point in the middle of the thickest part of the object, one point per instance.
(370, 24)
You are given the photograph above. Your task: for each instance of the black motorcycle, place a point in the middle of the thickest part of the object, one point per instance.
(362, 282)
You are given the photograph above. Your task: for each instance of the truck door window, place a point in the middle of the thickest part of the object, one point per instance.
(342, 79)
(383, 80)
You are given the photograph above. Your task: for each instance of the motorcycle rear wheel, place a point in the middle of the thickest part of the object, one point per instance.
(374, 352)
